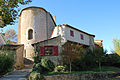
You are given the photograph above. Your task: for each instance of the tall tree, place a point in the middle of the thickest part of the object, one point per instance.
(10, 35)
(9, 11)
(116, 44)
(71, 51)
(99, 55)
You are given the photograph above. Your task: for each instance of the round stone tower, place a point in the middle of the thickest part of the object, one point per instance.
(35, 25)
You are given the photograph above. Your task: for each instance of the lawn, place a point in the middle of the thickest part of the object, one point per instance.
(104, 70)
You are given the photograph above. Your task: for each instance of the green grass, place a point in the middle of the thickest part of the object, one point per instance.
(104, 70)
(108, 69)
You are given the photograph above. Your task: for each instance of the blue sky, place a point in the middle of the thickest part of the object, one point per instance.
(98, 17)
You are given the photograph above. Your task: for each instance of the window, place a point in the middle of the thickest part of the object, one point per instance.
(49, 51)
(82, 37)
(30, 34)
(71, 33)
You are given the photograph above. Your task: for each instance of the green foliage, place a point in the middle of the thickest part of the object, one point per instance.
(111, 60)
(59, 69)
(70, 53)
(37, 59)
(6, 63)
(87, 59)
(9, 11)
(36, 76)
(43, 64)
(47, 63)
(39, 68)
(116, 44)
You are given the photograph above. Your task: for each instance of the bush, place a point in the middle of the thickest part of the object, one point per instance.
(59, 69)
(37, 59)
(39, 68)
(111, 60)
(47, 63)
(35, 76)
(86, 60)
(6, 63)
(43, 65)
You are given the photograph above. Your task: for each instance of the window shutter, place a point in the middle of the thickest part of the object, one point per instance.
(55, 51)
(71, 33)
(42, 51)
(82, 37)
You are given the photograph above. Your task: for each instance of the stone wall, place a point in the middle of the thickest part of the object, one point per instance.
(19, 56)
(17, 52)
(56, 41)
(93, 76)
(40, 21)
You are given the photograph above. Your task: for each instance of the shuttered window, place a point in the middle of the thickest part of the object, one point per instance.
(42, 51)
(82, 37)
(71, 33)
(55, 51)
(49, 51)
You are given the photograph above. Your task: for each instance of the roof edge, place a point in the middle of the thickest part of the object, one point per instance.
(38, 8)
(75, 29)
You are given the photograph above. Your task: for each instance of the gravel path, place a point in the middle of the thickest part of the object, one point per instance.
(17, 75)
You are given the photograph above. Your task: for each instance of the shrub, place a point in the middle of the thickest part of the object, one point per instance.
(59, 69)
(37, 59)
(47, 63)
(39, 68)
(6, 63)
(36, 76)
(112, 60)
(86, 60)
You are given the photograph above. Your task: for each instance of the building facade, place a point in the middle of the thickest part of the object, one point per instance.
(35, 25)
(69, 33)
(37, 29)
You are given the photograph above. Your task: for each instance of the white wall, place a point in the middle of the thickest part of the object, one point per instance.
(65, 34)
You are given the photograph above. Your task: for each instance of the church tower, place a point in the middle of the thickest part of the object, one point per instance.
(35, 25)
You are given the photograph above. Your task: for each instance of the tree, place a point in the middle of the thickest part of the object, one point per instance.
(10, 35)
(116, 44)
(9, 11)
(99, 55)
(70, 52)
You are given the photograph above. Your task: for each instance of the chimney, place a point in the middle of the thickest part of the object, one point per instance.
(55, 19)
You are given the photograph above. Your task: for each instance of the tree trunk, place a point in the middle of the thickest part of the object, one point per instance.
(70, 64)
(99, 65)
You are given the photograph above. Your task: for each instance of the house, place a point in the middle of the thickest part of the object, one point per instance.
(40, 34)
(62, 34)
(98, 43)
(69, 33)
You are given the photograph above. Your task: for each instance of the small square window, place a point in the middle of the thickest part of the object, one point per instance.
(71, 33)
(81, 36)
(48, 50)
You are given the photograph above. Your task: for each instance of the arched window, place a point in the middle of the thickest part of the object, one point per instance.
(30, 34)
